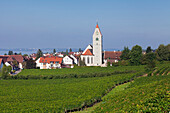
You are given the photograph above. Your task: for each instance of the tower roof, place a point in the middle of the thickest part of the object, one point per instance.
(97, 26)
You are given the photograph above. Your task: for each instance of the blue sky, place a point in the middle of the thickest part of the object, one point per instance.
(71, 23)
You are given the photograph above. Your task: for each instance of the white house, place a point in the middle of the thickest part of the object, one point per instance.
(68, 60)
(92, 55)
(49, 62)
(74, 58)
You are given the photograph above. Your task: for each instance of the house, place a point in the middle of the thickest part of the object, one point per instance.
(92, 55)
(112, 56)
(49, 62)
(9, 60)
(70, 60)
(1, 63)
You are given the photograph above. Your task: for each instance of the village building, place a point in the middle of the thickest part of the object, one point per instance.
(70, 60)
(9, 60)
(92, 55)
(50, 62)
(112, 56)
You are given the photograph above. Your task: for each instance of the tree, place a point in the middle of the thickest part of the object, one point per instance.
(66, 51)
(15, 63)
(163, 53)
(108, 63)
(136, 55)
(54, 51)
(148, 50)
(5, 54)
(10, 53)
(125, 54)
(80, 50)
(150, 61)
(39, 54)
(70, 50)
(30, 64)
(5, 71)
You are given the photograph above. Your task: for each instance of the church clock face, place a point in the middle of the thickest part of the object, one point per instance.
(97, 39)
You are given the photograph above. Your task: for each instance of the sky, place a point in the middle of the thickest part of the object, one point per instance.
(71, 23)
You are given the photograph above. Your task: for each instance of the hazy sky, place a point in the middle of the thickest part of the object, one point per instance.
(71, 23)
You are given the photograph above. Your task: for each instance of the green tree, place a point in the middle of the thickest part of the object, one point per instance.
(70, 50)
(54, 51)
(80, 50)
(5, 71)
(125, 54)
(148, 50)
(5, 54)
(163, 53)
(39, 54)
(136, 55)
(108, 63)
(150, 61)
(66, 51)
(15, 63)
(10, 53)
(30, 64)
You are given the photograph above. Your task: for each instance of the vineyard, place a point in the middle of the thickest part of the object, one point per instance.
(145, 94)
(79, 72)
(56, 95)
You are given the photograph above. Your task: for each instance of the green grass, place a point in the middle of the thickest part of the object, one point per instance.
(55, 95)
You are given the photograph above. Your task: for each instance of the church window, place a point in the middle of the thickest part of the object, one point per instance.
(88, 60)
(97, 39)
(92, 60)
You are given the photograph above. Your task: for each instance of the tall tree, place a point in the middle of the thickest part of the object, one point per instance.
(5, 71)
(148, 50)
(54, 51)
(10, 53)
(136, 55)
(163, 53)
(125, 54)
(79, 49)
(150, 61)
(39, 54)
(66, 51)
(70, 50)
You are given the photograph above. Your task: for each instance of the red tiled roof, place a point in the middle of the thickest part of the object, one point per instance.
(50, 59)
(87, 52)
(7, 58)
(97, 26)
(1, 60)
(18, 58)
(112, 55)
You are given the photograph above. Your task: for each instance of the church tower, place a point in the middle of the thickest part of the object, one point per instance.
(97, 46)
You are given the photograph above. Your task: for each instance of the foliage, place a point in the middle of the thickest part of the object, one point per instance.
(80, 50)
(145, 95)
(5, 71)
(54, 51)
(136, 55)
(125, 54)
(150, 61)
(10, 53)
(148, 50)
(78, 72)
(108, 64)
(30, 64)
(57, 95)
(163, 53)
(39, 54)
(15, 63)
(70, 50)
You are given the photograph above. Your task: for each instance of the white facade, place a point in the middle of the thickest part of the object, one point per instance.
(97, 47)
(74, 58)
(49, 65)
(68, 60)
(88, 59)
(38, 64)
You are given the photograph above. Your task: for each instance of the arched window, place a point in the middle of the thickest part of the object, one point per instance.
(91, 60)
(97, 39)
(88, 60)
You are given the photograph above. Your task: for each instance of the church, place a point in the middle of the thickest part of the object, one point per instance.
(93, 54)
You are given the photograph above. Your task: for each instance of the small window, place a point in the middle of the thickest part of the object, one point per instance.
(97, 39)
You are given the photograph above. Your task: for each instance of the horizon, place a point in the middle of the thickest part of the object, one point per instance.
(70, 24)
